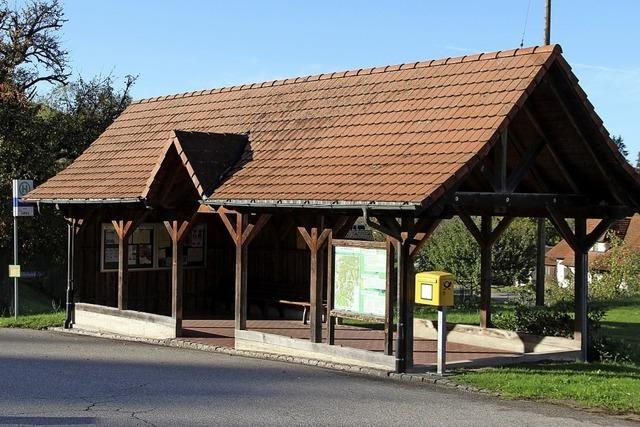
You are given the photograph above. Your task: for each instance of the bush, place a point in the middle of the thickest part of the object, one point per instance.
(619, 275)
(606, 349)
(548, 321)
(556, 320)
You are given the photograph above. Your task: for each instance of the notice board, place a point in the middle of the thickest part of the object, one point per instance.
(360, 277)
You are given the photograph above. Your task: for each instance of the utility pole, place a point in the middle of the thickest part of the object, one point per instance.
(547, 23)
(541, 235)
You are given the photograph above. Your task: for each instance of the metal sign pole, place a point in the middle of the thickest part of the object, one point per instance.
(21, 187)
(15, 262)
(442, 339)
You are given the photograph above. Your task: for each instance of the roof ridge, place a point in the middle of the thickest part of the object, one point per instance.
(483, 56)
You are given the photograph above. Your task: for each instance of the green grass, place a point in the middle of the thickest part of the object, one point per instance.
(612, 387)
(622, 321)
(33, 321)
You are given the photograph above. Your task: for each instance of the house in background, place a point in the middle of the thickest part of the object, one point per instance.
(560, 263)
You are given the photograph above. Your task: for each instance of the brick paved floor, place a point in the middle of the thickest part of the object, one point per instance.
(220, 332)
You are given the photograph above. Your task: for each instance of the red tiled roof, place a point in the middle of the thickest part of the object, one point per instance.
(627, 229)
(393, 134)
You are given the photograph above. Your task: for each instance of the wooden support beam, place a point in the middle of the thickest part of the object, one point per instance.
(523, 200)
(560, 164)
(486, 237)
(242, 259)
(540, 258)
(330, 321)
(580, 288)
(242, 234)
(178, 230)
(485, 272)
(423, 236)
(501, 150)
(404, 341)
(526, 162)
(224, 216)
(539, 180)
(252, 230)
(472, 227)
(124, 229)
(598, 231)
(606, 175)
(498, 230)
(563, 228)
(580, 242)
(315, 241)
(389, 297)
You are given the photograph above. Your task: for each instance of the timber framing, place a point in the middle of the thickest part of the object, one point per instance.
(533, 148)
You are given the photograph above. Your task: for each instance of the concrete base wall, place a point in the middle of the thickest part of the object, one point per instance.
(124, 322)
(276, 344)
(495, 338)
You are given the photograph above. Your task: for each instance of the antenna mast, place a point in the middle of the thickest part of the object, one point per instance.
(547, 23)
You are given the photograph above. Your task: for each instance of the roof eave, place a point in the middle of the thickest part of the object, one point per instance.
(315, 204)
(85, 201)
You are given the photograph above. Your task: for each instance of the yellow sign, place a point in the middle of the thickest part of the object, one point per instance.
(435, 288)
(14, 270)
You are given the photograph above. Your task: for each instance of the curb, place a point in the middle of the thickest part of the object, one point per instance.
(423, 378)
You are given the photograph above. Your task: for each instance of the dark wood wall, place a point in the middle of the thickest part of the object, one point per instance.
(278, 269)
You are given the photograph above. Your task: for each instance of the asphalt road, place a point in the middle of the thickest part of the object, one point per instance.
(49, 378)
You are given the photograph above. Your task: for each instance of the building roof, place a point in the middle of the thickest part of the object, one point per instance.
(392, 134)
(395, 135)
(626, 229)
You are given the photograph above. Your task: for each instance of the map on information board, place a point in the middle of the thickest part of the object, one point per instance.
(360, 280)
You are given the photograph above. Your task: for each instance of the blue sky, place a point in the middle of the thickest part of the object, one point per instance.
(179, 46)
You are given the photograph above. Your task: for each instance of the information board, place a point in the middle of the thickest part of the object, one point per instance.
(360, 280)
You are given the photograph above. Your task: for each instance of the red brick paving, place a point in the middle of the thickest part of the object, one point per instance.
(221, 332)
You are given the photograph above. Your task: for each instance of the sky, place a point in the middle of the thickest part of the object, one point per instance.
(181, 46)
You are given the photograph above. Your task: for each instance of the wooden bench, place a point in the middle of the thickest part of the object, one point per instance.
(306, 306)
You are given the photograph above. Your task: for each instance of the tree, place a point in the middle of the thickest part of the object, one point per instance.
(30, 50)
(39, 137)
(616, 274)
(622, 147)
(453, 249)
(86, 108)
(638, 162)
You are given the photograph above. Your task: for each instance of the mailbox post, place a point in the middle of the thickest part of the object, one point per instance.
(442, 339)
(435, 288)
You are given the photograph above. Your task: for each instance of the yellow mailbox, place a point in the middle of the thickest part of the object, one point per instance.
(435, 288)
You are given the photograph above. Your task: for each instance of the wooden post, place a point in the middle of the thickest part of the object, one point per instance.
(389, 298)
(242, 235)
(177, 232)
(540, 266)
(123, 271)
(315, 242)
(242, 258)
(404, 341)
(331, 327)
(486, 236)
(123, 229)
(485, 273)
(315, 317)
(581, 287)
(177, 280)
